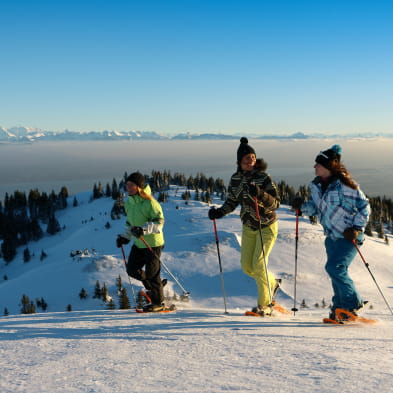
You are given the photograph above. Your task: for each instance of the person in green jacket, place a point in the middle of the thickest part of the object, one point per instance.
(144, 219)
(248, 184)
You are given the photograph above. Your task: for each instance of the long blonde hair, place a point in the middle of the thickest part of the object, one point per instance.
(144, 194)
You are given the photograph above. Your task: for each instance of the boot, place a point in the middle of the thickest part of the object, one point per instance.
(263, 310)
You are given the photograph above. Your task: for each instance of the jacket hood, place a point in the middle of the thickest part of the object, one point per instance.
(137, 198)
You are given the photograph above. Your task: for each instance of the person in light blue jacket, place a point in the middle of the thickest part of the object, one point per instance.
(343, 211)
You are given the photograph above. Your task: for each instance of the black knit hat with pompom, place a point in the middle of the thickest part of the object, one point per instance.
(244, 149)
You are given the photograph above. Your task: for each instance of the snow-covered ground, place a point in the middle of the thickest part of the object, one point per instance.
(198, 348)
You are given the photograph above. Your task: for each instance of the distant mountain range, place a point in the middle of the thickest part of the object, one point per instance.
(29, 135)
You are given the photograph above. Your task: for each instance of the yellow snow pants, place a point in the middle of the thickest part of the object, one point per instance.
(252, 259)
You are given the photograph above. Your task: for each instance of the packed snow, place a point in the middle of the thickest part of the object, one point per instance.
(199, 347)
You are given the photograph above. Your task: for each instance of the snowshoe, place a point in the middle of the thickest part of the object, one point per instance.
(260, 311)
(344, 317)
(156, 308)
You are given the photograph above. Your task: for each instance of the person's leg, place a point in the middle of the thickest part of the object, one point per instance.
(152, 275)
(340, 253)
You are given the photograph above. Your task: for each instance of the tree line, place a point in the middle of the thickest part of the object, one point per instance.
(22, 217)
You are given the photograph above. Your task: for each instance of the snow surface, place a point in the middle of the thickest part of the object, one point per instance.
(198, 348)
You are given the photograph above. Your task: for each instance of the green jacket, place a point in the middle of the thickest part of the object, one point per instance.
(144, 213)
(268, 199)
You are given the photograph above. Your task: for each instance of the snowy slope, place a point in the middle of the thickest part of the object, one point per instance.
(198, 348)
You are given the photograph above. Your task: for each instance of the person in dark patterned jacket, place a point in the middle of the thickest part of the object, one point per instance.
(250, 182)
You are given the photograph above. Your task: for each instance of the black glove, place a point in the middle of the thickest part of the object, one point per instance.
(351, 233)
(254, 190)
(121, 240)
(297, 203)
(137, 231)
(215, 213)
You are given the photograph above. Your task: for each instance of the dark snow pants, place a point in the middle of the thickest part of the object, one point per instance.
(150, 277)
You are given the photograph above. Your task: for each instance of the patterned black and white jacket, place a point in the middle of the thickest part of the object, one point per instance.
(238, 193)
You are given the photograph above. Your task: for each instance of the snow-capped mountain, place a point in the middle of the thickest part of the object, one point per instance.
(25, 134)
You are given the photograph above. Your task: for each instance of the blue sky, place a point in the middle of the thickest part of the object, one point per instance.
(256, 67)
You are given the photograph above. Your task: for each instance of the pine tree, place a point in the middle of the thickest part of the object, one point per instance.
(104, 293)
(26, 255)
(69, 308)
(27, 305)
(43, 255)
(111, 305)
(119, 284)
(6, 312)
(8, 249)
(97, 291)
(44, 304)
(53, 225)
(124, 303)
(83, 294)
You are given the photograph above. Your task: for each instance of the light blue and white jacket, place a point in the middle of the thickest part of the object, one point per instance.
(338, 208)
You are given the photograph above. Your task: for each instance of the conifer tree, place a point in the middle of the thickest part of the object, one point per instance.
(83, 294)
(97, 291)
(119, 284)
(6, 312)
(53, 225)
(26, 255)
(111, 305)
(124, 302)
(104, 293)
(8, 249)
(27, 305)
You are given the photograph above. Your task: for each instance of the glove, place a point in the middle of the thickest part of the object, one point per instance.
(215, 213)
(297, 203)
(254, 190)
(351, 233)
(137, 231)
(121, 240)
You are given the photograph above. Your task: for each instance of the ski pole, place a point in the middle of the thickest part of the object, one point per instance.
(219, 263)
(129, 279)
(263, 250)
(294, 309)
(185, 293)
(375, 281)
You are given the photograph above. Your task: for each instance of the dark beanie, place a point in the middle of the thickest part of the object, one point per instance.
(325, 158)
(137, 178)
(244, 149)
